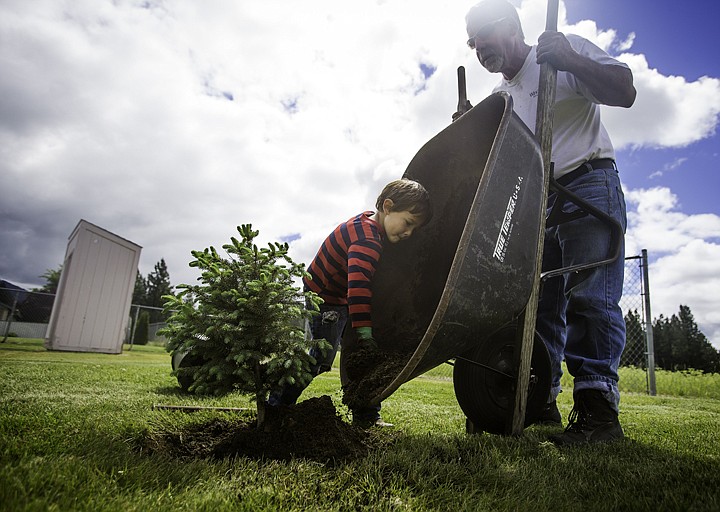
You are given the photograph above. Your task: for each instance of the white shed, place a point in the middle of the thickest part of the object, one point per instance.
(92, 305)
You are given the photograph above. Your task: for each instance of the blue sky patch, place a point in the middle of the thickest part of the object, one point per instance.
(290, 238)
(427, 70)
(290, 105)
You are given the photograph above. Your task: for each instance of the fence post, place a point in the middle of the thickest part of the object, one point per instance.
(648, 326)
(134, 327)
(9, 320)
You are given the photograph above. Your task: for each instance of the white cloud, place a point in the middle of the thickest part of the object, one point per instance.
(657, 225)
(669, 110)
(685, 256)
(623, 46)
(171, 123)
(670, 166)
(691, 277)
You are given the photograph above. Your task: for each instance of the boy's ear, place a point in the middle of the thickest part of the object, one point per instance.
(387, 206)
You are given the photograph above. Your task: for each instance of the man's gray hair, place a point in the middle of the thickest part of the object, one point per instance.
(489, 11)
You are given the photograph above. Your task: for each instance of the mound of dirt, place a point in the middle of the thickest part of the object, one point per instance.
(311, 429)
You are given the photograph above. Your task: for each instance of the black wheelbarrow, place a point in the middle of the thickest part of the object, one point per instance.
(455, 290)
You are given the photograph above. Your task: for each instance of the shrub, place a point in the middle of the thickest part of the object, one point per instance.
(244, 321)
(141, 329)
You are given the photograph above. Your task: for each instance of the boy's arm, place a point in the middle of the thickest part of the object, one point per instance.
(363, 257)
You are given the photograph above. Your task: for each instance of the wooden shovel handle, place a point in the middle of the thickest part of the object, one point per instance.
(543, 132)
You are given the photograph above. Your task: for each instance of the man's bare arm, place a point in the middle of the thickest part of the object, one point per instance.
(610, 84)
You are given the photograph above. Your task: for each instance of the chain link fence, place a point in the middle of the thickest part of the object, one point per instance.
(145, 322)
(26, 314)
(637, 372)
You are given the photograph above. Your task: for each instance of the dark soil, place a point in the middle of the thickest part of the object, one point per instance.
(370, 372)
(311, 429)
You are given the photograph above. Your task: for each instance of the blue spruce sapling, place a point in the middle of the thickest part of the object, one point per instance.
(244, 321)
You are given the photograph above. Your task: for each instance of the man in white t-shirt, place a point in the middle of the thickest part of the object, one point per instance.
(579, 318)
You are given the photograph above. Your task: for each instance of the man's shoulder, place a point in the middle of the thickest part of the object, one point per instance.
(576, 38)
(591, 50)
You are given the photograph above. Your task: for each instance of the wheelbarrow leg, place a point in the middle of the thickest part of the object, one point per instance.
(470, 427)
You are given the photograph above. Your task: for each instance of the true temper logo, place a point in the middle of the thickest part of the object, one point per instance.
(506, 228)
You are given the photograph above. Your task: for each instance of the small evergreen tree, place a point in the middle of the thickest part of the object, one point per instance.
(663, 343)
(635, 344)
(142, 328)
(680, 345)
(158, 285)
(140, 291)
(699, 353)
(244, 321)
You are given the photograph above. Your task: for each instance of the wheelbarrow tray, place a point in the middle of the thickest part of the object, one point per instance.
(469, 272)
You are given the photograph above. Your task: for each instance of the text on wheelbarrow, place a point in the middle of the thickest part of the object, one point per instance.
(503, 238)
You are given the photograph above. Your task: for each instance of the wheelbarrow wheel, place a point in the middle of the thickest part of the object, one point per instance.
(185, 364)
(485, 381)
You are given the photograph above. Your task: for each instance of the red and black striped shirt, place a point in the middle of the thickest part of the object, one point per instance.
(343, 268)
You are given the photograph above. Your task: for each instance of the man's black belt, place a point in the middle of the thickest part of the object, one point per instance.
(590, 165)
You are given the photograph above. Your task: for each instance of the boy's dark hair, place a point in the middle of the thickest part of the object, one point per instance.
(407, 195)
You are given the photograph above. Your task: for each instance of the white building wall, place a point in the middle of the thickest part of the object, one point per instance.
(92, 306)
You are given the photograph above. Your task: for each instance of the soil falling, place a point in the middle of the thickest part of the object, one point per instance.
(370, 372)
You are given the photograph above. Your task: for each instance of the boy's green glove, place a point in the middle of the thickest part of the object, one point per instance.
(364, 334)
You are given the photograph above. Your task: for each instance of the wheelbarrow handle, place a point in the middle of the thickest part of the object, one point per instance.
(463, 104)
(557, 216)
(462, 89)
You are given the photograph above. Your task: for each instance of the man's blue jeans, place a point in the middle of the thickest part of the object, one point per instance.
(328, 324)
(579, 317)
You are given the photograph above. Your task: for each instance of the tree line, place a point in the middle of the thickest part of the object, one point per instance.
(678, 343)
(149, 290)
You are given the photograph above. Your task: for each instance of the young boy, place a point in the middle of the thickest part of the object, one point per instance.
(342, 272)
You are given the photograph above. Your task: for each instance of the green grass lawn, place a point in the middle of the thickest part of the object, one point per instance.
(70, 425)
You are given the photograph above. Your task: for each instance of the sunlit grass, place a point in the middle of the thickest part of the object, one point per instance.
(70, 425)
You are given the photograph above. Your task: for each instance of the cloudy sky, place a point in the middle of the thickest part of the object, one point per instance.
(169, 123)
